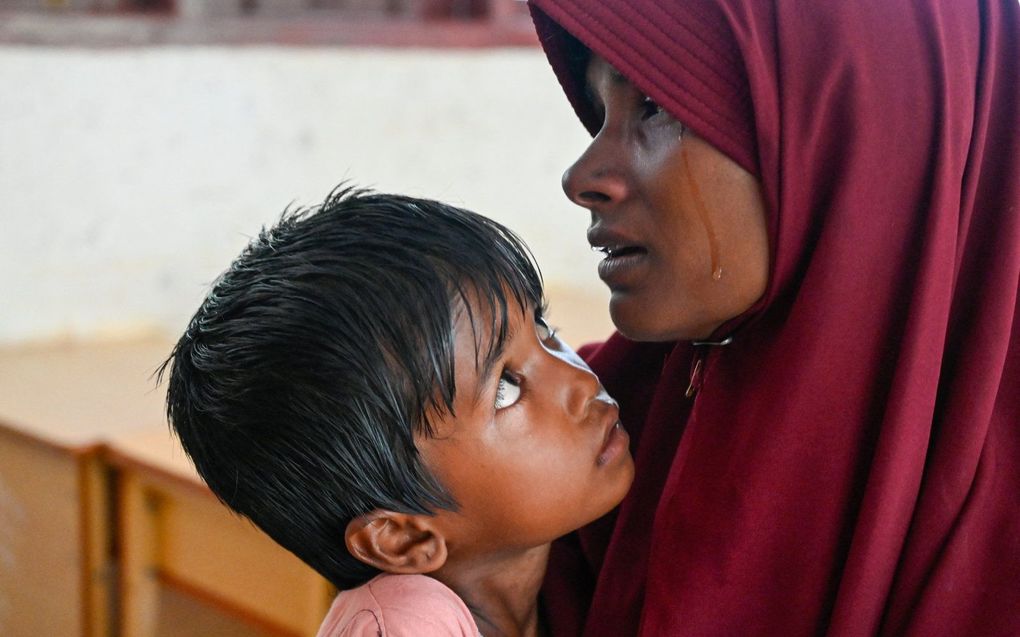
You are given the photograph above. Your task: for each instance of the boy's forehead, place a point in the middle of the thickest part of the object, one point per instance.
(482, 330)
(486, 325)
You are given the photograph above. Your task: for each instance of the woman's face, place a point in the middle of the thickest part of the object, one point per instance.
(682, 225)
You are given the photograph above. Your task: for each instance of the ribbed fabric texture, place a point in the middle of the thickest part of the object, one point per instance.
(675, 59)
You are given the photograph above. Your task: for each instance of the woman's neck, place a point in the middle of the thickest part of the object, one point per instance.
(501, 592)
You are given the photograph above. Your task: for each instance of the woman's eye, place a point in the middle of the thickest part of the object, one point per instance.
(649, 108)
(508, 391)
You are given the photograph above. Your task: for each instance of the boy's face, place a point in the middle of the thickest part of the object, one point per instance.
(535, 449)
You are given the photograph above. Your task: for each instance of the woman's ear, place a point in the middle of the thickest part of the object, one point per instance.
(397, 542)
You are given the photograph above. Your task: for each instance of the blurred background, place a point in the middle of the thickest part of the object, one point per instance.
(142, 142)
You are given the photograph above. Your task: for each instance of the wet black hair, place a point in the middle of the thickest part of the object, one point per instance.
(301, 381)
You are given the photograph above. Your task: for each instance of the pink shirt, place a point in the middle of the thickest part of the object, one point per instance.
(399, 606)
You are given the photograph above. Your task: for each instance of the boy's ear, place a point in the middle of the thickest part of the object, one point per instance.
(397, 542)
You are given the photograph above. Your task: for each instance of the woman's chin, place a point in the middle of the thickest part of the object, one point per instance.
(640, 322)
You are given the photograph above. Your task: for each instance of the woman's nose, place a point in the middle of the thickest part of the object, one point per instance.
(597, 177)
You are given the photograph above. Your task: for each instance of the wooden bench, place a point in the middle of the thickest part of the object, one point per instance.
(100, 509)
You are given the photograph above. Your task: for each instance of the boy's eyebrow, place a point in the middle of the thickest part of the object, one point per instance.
(489, 362)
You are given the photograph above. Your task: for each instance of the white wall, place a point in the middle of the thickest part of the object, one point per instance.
(130, 177)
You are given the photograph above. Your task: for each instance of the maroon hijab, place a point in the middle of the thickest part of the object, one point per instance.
(851, 462)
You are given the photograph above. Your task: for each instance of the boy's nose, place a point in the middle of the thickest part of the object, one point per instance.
(596, 178)
(580, 386)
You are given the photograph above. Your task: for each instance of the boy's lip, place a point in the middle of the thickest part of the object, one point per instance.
(615, 441)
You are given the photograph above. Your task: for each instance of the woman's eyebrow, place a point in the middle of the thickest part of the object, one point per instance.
(617, 77)
(592, 96)
(593, 100)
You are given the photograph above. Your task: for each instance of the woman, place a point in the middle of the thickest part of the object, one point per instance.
(811, 219)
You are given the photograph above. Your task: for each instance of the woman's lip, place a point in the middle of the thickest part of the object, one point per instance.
(618, 269)
(615, 444)
(607, 239)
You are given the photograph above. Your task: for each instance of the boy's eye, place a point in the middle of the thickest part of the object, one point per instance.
(649, 108)
(508, 391)
(545, 332)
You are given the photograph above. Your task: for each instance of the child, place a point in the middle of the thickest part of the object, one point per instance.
(373, 384)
